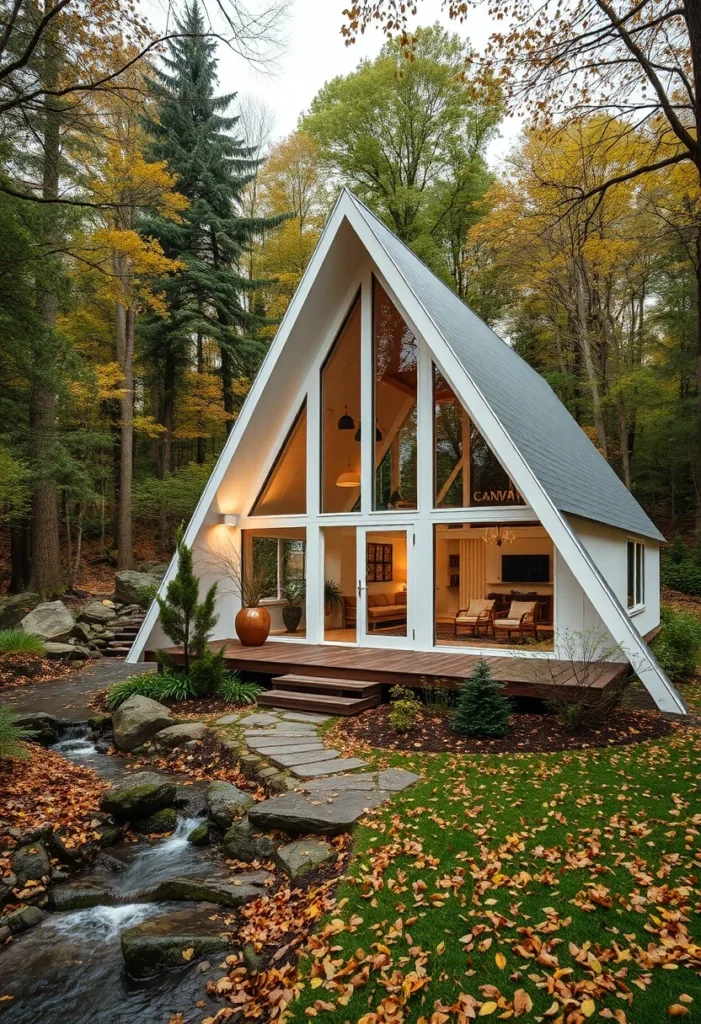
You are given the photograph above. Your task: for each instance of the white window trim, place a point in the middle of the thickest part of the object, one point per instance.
(636, 608)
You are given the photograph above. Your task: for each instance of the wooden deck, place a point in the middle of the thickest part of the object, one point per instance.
(392, 667)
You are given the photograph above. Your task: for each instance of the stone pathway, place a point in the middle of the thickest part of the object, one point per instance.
(69, 697)
(322, 798)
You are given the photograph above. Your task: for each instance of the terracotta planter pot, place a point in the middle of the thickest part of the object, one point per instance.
(252, 626)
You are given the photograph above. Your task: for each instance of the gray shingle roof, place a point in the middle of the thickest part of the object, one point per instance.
(576, 477)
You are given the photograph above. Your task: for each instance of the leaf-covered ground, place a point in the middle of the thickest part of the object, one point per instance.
(555, 887)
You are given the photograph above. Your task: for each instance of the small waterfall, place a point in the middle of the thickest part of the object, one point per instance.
(162, 859)
(102, 924)
(76, 743)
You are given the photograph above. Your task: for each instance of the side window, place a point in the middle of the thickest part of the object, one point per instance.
(636, 574)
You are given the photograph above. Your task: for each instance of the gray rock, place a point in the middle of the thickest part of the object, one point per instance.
(305, 716)
(366, 781)
(46, 728)
(227, 720)
(259, 718)
(107, 862)
(235, 892)
(332, 767)
(252, 958)
(396, 779)
(82, 632)
(67, 854)
(302, 856)
(199, 836)
(14, 607)
(226, 803)
(178, 735)
(5, 934)
(23, 919)
(158, 944)
(137, 720)
(110, 835)
(30, 862)
(128, 585)
(243, 842)
(295, 814)
(97, 613)
(50, 620)
(289, 758)
(7, 884)
(71, 652)
(139, 795)
(88, 892)
(157, 823)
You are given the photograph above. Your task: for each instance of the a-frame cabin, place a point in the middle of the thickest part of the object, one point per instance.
(394, 445)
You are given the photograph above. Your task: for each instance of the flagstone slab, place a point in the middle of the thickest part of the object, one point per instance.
(396, 779)
(258, 734)
(295, 748)
(296, 814)
(305, 716)
(343, 764)
(260, 718)
(288, 760)
(340, 783)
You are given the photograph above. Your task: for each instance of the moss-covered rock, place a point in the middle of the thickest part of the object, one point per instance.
(172, 941)
(200, 835)
(139, 795)
(157, 823)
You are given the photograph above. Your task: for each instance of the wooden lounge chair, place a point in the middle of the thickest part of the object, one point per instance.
(521, 618)
(477, 616)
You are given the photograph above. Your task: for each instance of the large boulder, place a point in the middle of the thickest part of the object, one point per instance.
(137, 720)
(226, 803)
(30, 863)
(97, 613)
(174, 940)
(242, 889)
(50, 620)
(45, 728)
(139, 796)
(179, 735)
(14, 608)
(242, 842)
(90, 891)
(129, 584)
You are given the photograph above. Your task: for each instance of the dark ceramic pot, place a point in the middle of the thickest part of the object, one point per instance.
(252, 626)
(291, 616)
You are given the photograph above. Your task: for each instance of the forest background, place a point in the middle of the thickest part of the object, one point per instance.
(153, 231)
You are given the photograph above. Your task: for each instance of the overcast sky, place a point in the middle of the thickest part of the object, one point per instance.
(315, 53)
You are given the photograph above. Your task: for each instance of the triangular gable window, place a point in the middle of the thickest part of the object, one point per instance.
(467, 473)
(284, 492)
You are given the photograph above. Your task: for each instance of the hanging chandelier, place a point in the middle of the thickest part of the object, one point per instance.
(498, 535)
(346, 422)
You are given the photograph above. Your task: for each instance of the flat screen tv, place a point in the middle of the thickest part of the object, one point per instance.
(525, 568)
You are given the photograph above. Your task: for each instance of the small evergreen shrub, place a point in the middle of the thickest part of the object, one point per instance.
(185, 619)
(145, 595)
(233, 690)
(482, 710)
(207, 672)
(677, 645)
(16, 641)
(12, 736)
(403, 714)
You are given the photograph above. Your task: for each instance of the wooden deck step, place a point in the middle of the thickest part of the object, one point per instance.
(332, 684)
(331, 704)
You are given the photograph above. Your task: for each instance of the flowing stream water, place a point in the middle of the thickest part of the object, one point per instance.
(69, 969)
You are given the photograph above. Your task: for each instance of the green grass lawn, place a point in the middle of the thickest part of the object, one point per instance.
(572, 879)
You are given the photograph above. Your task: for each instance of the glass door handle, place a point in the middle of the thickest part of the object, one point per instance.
(360, 587)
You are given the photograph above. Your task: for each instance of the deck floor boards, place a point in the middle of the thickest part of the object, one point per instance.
(279, 657)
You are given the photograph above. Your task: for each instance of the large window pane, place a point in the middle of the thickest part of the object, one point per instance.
(466, 470)
(340, 423)
(274, 563)
(285, 491)
(396, 357)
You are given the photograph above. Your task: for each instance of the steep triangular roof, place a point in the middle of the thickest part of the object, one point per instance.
(575, 475)
(507, 400)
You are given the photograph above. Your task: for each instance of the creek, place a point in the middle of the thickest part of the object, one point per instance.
(69, 969)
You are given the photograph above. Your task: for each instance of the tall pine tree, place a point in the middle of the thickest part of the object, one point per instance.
(191, 130)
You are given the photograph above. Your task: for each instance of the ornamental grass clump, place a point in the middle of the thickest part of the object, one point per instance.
(12, 736)
(482, 709)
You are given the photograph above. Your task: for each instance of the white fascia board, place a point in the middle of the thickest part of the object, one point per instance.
(612, 613)
(263, 376)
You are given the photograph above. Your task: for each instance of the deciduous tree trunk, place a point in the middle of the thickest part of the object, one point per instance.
(46, 577)
(125, 358)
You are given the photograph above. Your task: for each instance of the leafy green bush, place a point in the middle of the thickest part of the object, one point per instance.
(482, 709)
(398, 693)
(682, 576)
(12, 736)
(233, 690)
(677, 645)
(403, 714)
(16, 641)
(207, 672)
(145, 685)
(145, 595)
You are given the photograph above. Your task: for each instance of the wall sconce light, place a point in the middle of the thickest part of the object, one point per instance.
(230, 519)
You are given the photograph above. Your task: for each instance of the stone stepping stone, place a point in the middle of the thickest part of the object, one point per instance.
(259, 718)
(303, 855)
(297, 814)
(340, 784)
(233, 892)
(396, 779)
(295, 748)
(305, 716)
(287, 760)
(227, 720)
(343, 764)
(273, 735)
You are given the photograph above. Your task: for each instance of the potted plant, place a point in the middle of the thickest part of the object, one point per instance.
(333, 596)
(294, 593)
(251, 582)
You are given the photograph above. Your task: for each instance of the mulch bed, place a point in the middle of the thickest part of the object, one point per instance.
(23, 670)
(206, 707)
(528, 733)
